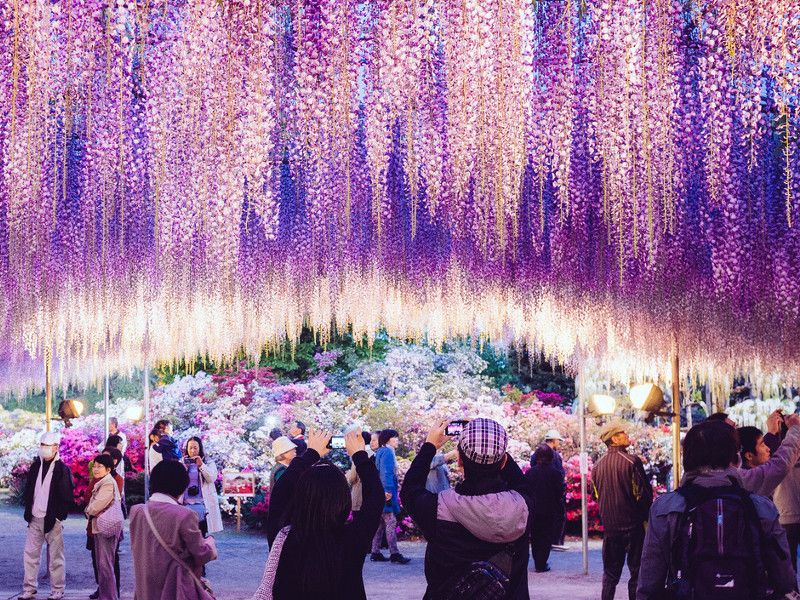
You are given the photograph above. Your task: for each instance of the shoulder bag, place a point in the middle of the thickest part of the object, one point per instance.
(109, 522)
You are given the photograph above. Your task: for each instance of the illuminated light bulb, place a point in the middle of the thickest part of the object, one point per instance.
(647, 397)
(603, 404)
(134, 413)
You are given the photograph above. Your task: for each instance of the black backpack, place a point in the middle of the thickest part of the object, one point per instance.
(482, 580)
(717, 553)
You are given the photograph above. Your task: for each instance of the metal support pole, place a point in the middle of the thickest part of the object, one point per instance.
(676, 418)
(146, 421)
(106, 395)
(48, 390)
(584, 466)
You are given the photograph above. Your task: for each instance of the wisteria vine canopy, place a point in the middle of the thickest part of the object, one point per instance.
(588, 177)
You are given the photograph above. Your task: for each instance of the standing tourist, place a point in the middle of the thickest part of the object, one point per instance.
(787, 500)
(113, 429)
(116, 458)
(168, 548)
(439, 475)
(48, 500)
(625, 496)
(484, 518)
(764, 478)
(745, 556)
(553, 439)
(284, 451)
(546, 487)
(201, 493)
(356, 494)
(298, 435)
(315, 552)
(386, 462)
(161, 427)
(104, 511)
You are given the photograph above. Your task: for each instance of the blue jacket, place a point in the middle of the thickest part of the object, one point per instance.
(386, 462)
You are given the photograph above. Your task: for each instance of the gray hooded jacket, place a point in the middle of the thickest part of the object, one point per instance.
(663, 530)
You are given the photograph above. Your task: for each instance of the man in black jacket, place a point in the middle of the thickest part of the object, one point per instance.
(48, 500)
(625, 496)
(483, 518)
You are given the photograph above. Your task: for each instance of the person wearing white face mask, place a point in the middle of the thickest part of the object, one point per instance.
(48, 500)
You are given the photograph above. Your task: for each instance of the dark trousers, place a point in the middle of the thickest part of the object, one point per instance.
(793, 537)
(559, 529)
(544, 530)
(616, 547)
(90, 545)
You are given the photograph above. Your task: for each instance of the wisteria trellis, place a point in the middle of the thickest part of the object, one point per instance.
(183, 177)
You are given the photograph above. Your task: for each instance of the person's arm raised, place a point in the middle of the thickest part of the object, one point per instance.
(283, 492)
(372, 499)
(419, 502)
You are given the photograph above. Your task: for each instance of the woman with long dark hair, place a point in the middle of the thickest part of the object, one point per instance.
(315, 552)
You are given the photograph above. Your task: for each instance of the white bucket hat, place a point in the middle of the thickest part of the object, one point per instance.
(50, 438)
(553, 435)
(282, 445)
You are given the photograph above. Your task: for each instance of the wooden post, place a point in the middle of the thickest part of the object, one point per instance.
(238, 513)
(676, 417)
(48, 390)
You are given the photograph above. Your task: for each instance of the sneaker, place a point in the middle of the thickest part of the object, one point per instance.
(56, 596)
(545, 570)
(26, 597)
(559, 547)
(378, 557)
(95, 595)
(399, 559)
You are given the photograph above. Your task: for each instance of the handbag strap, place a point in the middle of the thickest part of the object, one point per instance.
(169, 550)
(264, 591)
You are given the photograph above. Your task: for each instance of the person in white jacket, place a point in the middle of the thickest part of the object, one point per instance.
(201, 493)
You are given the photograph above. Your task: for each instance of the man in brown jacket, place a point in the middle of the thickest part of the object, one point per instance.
(168, 567)
(625, 496)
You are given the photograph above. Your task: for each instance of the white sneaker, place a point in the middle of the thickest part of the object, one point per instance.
(559, 547)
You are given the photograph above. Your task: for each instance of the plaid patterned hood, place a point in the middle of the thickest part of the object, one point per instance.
(499, 518)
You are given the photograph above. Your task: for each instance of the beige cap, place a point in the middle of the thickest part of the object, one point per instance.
(610, 431)
(282, 445)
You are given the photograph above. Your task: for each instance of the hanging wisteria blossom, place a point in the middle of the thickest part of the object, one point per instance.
(198, 177)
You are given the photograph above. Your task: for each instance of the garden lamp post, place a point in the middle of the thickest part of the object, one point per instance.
(584, 463)
(146, 411)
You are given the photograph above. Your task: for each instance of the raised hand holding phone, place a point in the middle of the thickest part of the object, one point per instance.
(317, 439)
(354, 442)
(437, 436)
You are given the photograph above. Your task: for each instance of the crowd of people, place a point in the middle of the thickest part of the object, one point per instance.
(730, 530)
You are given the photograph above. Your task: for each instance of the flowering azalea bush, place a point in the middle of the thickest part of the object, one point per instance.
(410, 389)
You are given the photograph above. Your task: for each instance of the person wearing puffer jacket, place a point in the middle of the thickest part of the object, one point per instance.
(484, 518)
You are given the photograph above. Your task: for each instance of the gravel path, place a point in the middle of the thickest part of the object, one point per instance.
(238, 571)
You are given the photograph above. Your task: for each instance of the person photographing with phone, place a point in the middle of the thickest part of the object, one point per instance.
(477, 532)
(314, 551)
(201, 493)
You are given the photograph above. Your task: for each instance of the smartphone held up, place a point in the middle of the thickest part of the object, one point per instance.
(454, 428)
